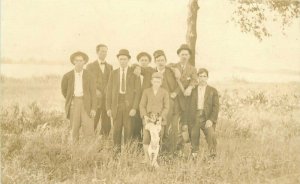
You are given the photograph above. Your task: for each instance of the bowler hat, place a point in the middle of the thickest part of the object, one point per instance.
(141, 54)
(79, 53)
(158, 53)
(124, 52)
(157, 75)
(184, 47)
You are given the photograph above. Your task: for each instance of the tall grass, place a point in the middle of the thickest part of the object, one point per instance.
(258, 142)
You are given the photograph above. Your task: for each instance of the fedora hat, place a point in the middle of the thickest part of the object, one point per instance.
(184, 47)
(79, 53)
(141, 54)
(158, 53)
(124, 52)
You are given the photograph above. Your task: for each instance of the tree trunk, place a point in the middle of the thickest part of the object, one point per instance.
(191, 35)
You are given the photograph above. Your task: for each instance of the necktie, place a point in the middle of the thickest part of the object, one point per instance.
(181, 69)
(123, 81)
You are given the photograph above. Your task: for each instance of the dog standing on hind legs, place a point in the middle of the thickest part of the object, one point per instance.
(153, 124)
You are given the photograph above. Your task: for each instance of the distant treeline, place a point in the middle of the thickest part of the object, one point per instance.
(5, 60)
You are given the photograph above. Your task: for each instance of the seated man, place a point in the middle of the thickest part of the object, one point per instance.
(204, 114)
(154, 100)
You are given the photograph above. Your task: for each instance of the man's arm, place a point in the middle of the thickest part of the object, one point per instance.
(166, 106)
(143, 105)
(109, 92)
(64, 86)
(215, 107)
(93, 92)
(137, 91)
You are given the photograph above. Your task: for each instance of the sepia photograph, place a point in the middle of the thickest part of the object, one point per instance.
(150, 92)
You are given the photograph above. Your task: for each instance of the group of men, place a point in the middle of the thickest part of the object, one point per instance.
(122, 99)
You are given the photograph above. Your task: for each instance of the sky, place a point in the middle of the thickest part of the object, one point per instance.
(52, 29)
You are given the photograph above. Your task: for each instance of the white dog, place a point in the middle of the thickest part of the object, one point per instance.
(153, 124)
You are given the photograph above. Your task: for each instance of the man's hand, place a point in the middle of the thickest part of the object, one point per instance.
(132, 112)
(109, 113)
(93, 113)
(137, 71)
(188, 91)
(98, 93)
(208, 123)
(173, 95)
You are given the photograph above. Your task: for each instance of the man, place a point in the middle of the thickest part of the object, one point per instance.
(101, 71)
(122, 99)
(155, 100)
(79, 89)
(169, 83)
(144, 82)
(188, 80)
(204, 113)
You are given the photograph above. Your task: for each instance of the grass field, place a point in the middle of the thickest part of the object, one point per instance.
(258, 140)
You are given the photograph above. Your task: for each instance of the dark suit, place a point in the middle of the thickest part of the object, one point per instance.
(142, 85)
(78, 108)
(188, 78)
(89, 91)
(120, 105)
(101, 85)
(199, 117)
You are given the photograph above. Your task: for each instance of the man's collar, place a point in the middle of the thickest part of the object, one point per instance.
(124, 68)
(101, 62)
(162, 71)
(80, 73)
(202, 86)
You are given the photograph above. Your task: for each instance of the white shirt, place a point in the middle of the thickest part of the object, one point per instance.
(201, 94)
(102, 67)
(78, 89)
(142, 79)
(121, 72)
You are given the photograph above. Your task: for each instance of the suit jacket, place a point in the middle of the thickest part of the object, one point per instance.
(101, 78)
(158, 104)
(89, 91)
(169, 81)
(211, 104)
(188, 78)
(113, 89)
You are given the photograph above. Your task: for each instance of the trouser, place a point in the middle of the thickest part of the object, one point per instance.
(80, 118)
(122, 120)
(137, 127)
(172, 130)
(105, 121)
(209, 133)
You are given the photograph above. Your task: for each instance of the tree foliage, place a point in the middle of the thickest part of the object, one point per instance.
(252, 15)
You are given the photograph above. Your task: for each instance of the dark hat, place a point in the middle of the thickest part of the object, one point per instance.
(124, 52)
(79, 53)
(184, 47)
(157, 75)
(158, 53)
(141, 54)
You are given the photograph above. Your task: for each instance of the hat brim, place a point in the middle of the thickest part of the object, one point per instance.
(180, 49)
(85, 57)
(124, 55)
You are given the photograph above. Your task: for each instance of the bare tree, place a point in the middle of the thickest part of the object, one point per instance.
(250, 15)
(191, 35)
